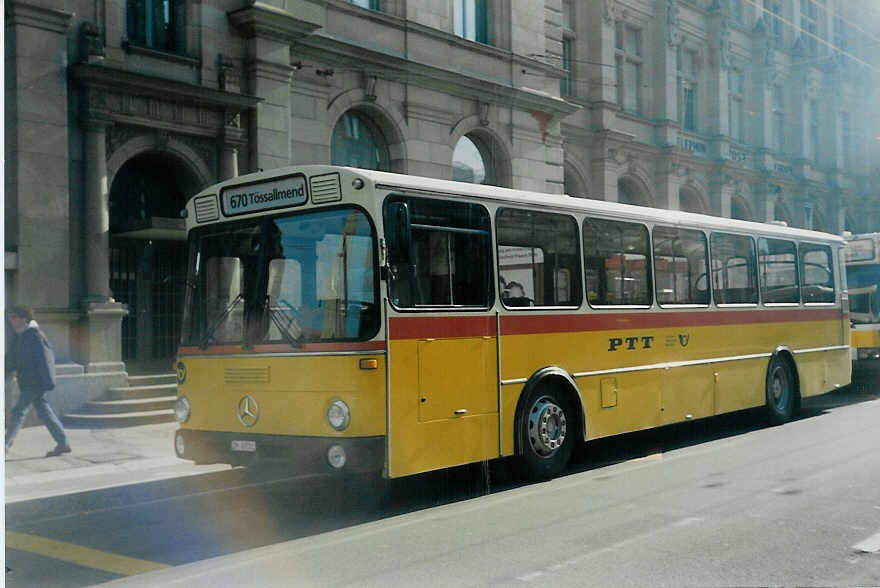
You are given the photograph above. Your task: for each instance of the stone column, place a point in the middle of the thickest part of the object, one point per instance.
(97, 215)
(101, 344)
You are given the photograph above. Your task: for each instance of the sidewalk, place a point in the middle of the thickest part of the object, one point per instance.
(101, 458)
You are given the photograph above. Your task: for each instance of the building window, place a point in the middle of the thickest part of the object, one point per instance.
(357, 142)
(567, 83)
(778, 119)
(773, 17)
(472, 162)
(628, 56)
(156, 24)
(813, 139)
(841, 38)
(687, 82)
(845, 140)
(811, 13)
(371, 4)
(736, 12)
(472, 20)
(736, 101)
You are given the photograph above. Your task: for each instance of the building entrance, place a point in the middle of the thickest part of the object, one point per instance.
(148, 256)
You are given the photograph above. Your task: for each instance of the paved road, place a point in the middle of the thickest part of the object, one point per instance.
(720, 502)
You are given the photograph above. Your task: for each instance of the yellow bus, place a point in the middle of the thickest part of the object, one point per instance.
(863, 280)
(342, 319)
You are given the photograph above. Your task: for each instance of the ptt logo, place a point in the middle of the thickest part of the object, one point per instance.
(640, 342)
(630, 343)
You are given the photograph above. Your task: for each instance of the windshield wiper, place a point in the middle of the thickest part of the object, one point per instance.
(209, 334)
(285, 320)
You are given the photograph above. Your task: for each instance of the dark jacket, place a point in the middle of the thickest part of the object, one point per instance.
(32, 358)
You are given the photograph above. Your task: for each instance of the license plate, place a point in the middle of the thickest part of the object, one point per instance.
(238, 445)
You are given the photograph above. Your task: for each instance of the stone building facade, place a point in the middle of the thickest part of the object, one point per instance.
(118, 110)
(755, 109)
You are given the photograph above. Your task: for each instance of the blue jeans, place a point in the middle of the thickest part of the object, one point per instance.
(44, 411)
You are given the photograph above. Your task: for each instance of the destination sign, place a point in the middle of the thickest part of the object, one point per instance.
(290, 191)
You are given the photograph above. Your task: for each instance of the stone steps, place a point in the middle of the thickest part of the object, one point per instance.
(148, 399)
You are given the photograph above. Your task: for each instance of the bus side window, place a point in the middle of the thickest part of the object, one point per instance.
(680, 263)
(450, 261)
(538, 259)
(777, 267)
(617, 263)
(733, 269)
(817, 275)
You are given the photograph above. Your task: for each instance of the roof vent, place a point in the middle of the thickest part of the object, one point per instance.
(206, 209)
(325, 188)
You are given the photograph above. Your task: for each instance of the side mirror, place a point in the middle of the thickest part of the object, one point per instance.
(398, 232)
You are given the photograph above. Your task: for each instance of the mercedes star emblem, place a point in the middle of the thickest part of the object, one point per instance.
(248, 411)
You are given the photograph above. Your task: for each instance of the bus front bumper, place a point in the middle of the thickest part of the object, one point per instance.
(300, 453)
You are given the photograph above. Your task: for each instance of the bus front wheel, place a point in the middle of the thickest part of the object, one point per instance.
(547, 433)
(781, 391)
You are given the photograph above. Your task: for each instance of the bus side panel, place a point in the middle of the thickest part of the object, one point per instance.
(822, 371)
(292, 394)
(443, 403)
(622, 402)
(740, 384)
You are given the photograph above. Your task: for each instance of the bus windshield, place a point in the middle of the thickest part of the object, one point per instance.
(863, 282)
(289, 279)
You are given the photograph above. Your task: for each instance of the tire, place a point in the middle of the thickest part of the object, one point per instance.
(547, 431)
(781, 391)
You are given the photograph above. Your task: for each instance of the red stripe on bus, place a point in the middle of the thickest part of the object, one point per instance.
(522, 325)
(439, 327)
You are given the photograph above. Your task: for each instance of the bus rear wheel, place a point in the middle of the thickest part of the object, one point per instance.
(781, 391)
(547, 433)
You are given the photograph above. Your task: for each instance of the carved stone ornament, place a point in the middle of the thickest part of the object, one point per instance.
(118, 135)
(91, 47)
(673, 24)
(370, 87)
(233, 120)
(483, 110)
(610, 12)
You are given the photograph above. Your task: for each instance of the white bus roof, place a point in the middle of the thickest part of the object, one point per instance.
(408, 183)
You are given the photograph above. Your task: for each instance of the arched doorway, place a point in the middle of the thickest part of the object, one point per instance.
(148, 255)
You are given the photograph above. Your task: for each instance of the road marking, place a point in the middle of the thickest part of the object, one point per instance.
(79, 555)
(869, 545)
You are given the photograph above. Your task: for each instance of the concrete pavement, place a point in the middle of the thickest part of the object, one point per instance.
(101, 458)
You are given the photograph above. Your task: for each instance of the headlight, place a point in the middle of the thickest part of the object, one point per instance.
(338, 415)
(181, 409)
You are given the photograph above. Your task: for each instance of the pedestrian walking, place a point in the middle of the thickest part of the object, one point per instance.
(33, 361)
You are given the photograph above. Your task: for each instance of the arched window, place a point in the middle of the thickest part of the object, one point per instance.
(628, 192)
(357, 142)
(689, 201)
(473, 161)
(739, 209)
(781, 213)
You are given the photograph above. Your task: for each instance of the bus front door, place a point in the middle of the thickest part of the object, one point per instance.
(442, 402)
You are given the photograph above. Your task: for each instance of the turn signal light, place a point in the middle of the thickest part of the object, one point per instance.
(369, 364)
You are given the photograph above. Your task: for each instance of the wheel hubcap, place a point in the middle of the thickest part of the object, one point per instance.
(780, 388)
(547, 427)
